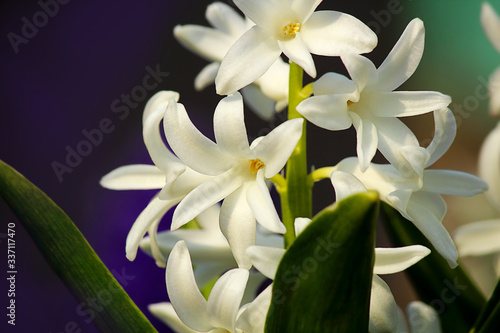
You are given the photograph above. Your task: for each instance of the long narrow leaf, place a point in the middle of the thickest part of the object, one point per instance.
(450, 291)
(489, 319)
(324, 280)
(70, 255)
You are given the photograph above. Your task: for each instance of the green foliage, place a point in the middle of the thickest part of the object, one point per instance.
(70, 255)
(323, 282)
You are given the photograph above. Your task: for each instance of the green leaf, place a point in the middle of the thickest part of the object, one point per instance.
(70, 255)
(450, 291)
(323, 282)
(489, 319)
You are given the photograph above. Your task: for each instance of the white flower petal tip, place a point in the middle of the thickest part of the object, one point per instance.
(134, 177)
(491, 24)
(265, 259)
(300, 224)
(159, 101)
(478, 238)
(422, 318)
(165, 312)
(393, 260)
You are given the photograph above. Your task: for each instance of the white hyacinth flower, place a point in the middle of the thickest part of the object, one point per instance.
(222, 312)
(369, 103)
(293, 28)
(482, 239)
(167, 173)
(383, 308)
(238, 171)
(491, 25)
(421, 204)
(268, 93)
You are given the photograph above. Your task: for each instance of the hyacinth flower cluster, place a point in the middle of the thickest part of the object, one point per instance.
(223, 273)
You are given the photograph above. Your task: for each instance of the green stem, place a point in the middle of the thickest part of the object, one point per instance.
(296, 200)
(321, 173)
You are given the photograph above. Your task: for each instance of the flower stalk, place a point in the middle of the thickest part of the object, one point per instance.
(296, 201)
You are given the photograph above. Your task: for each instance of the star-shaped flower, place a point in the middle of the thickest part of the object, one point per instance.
(418, 202)
(238, 170)
(213, 44)
(168, 173)
(369, 103)
(293, 28)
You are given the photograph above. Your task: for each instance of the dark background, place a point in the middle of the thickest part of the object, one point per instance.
(65, 77)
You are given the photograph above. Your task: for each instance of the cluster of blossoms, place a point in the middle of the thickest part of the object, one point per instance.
(239, 243)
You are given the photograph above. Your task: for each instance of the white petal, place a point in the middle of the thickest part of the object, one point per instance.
(253, 318)
(209, 43)
(406, 103)
(178, 187)
(334, 83)
(453, 183)
(345, 185)
(246, 61)
(190, 145)
(300, 224)
(383, 308)
(155, 249)
(237, 223)
(277, 146)
(153, 212)
(422, 318)
(444, 134)
(206, 76)
(263, 106)
(491, 24)
(160, 155)
(274, 82)
(183, 292)
(393, 260)
(434, 231)
(361, 70)
(262, 206)
(166, 313)
(304, 8)
(327, 111)
(432, 202)
(134, 177)
(224, 18)
(399, 199)
(266, 259)
(225, 298)
(229, 126)
(333, 33)
(494, 89)
(159, 101)
(404, 57)
(297, 51)
(367, 140)
(489, 165)
(204, 196)
(262, 12)
(400, 146)
(478, 238)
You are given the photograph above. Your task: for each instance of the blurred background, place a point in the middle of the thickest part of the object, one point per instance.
(64, 76)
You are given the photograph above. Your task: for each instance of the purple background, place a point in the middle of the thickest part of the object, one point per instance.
(64, 81)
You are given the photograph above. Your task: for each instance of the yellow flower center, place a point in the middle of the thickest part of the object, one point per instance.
(291, 29)
(256, 165)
